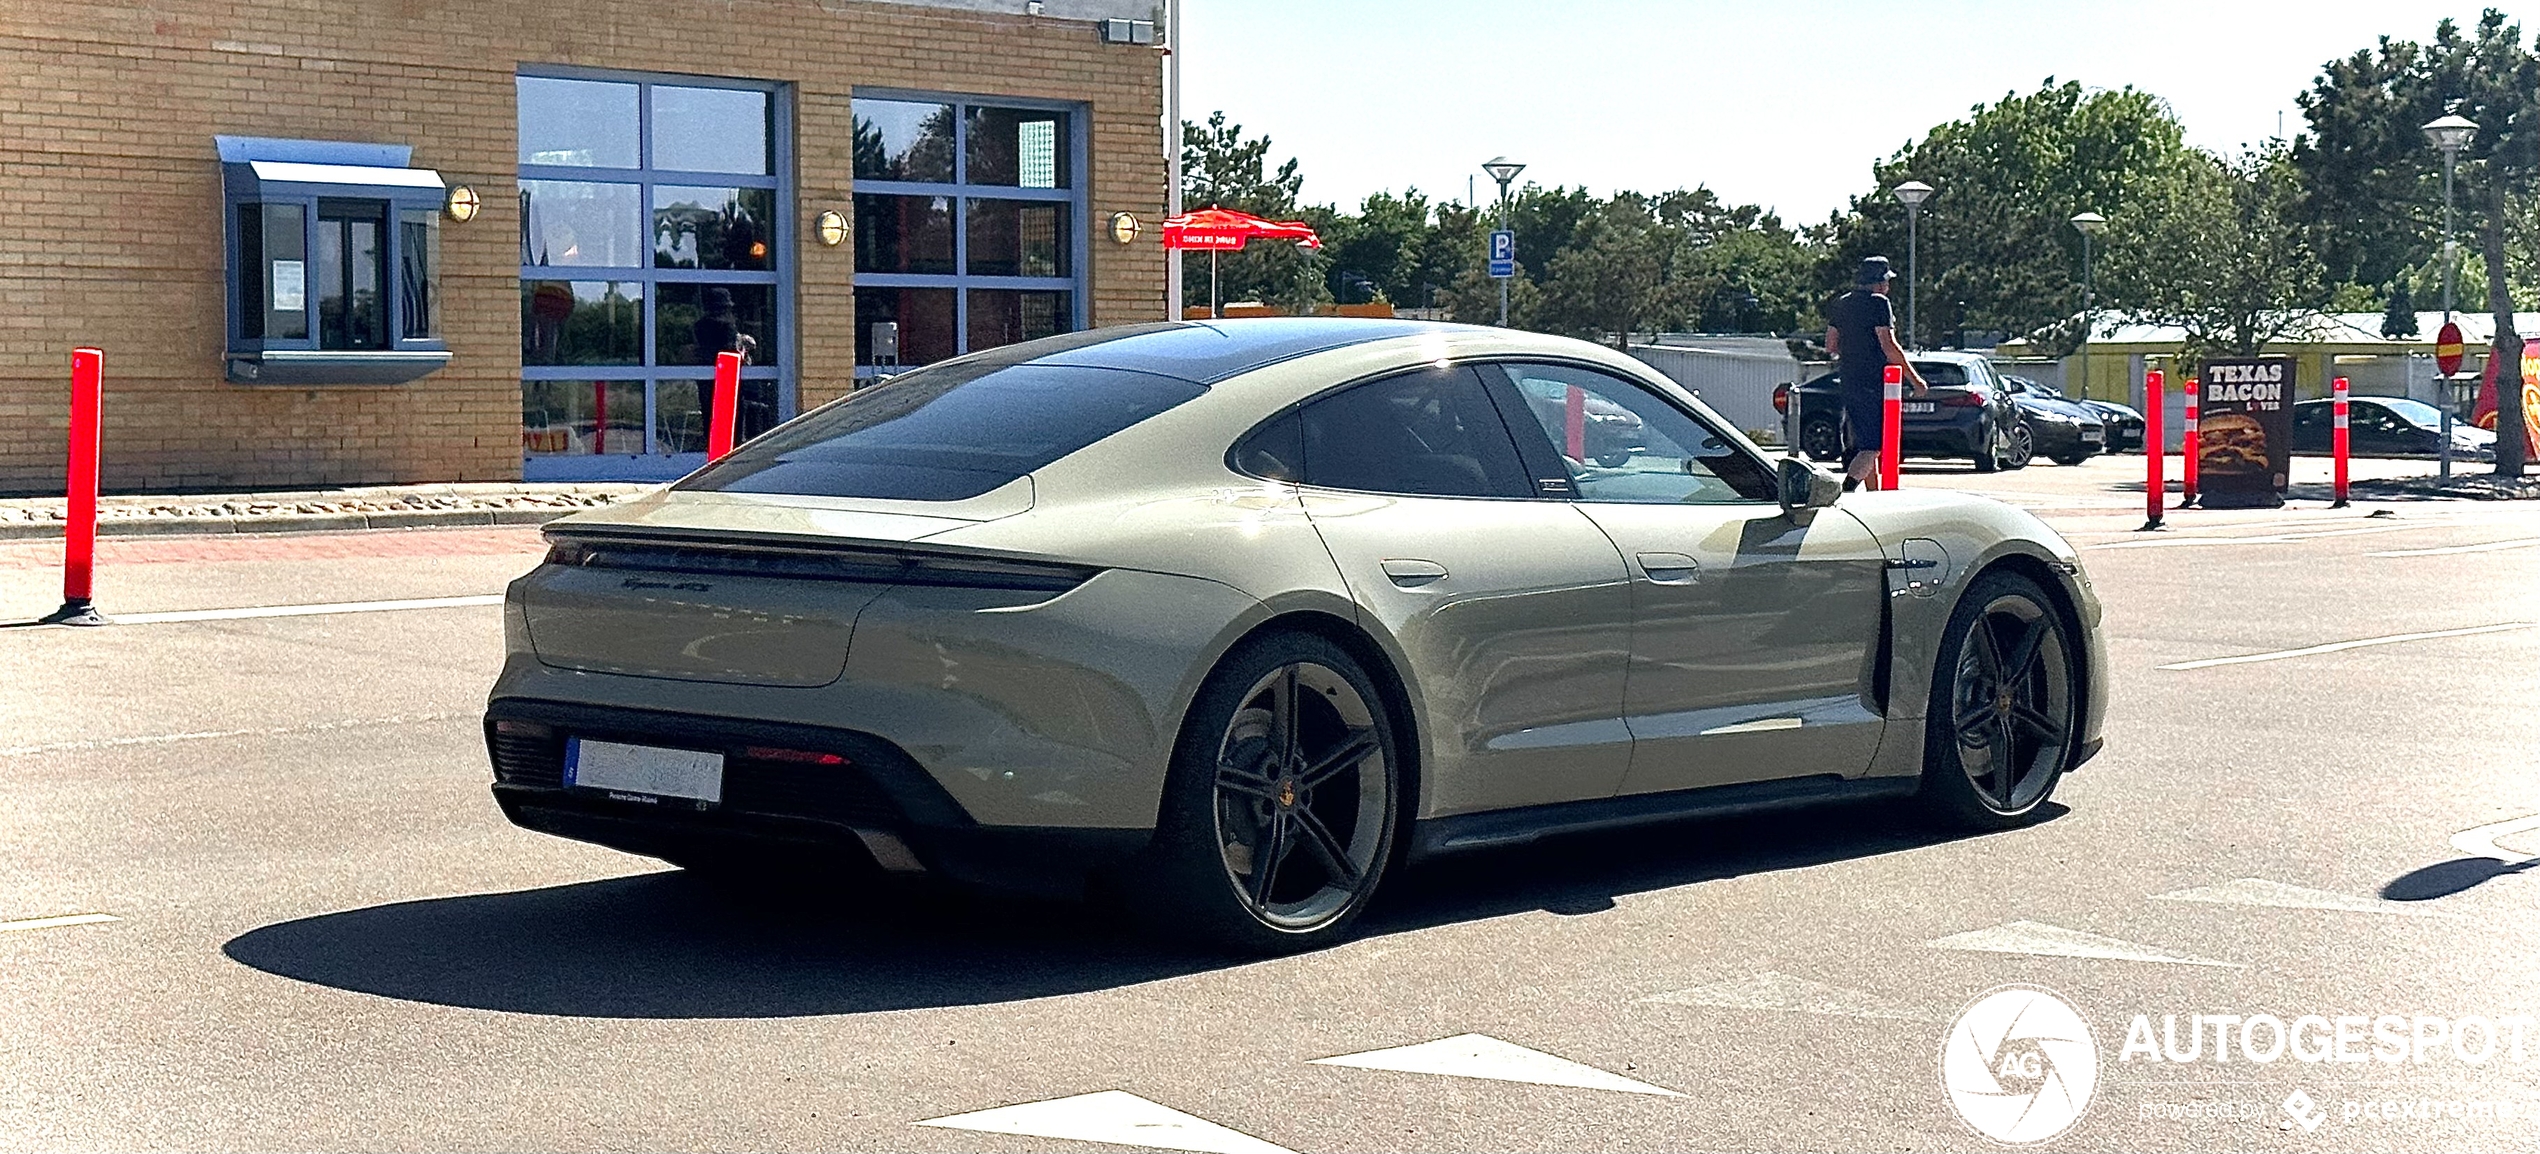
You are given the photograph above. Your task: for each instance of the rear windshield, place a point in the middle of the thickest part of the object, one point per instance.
(946, 433)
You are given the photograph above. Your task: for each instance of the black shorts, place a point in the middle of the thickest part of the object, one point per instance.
(1864, 419)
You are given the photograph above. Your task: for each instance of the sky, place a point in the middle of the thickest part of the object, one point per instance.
(1784, 103)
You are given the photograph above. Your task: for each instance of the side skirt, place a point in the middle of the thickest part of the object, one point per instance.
(1506, 827)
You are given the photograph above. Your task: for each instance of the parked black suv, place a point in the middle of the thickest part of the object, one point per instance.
(1967, 414)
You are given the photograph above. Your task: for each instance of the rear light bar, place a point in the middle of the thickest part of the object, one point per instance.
(1968, 401)
(847, 563)
(794, 756)
(1781, 399)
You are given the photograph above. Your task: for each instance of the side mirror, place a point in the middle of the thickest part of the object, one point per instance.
(1804, 486)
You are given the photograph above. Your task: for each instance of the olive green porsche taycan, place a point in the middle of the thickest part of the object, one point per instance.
(1232, 619)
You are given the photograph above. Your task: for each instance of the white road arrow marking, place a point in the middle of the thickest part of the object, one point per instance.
(2261, 892)
(1482, 1056)
(1774, 990)
(2481, 842)
(2057, 942)
(1114, 1116)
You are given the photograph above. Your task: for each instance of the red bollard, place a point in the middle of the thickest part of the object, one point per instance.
(1892, 429)
(727, 405)
(1574, 423)
(2189, 448)
(79, 533)
(2337, 437)
(2155, 448)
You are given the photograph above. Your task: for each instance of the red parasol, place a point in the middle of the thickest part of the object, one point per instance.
(1225, 230)
(1216, 230)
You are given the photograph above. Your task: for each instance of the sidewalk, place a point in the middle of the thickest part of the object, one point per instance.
(362, 507)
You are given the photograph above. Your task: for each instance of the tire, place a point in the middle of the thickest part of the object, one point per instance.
(1821, 438)
(1615, 460)
(1237, 786)
(1984, 458)
(2023, 447)
(2068, 460)
(1995, 746)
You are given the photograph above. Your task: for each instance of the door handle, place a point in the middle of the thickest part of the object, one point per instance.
(1670, 568)
(1411, 572)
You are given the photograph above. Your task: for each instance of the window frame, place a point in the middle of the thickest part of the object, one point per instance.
(305, 360)
(649, 370)
(1543, 458)
(960, 192)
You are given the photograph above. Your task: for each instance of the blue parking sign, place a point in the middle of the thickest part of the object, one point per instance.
(1503, 253)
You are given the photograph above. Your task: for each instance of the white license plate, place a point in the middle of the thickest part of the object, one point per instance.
(1921, 407)
(2090, 435)
(648, 770)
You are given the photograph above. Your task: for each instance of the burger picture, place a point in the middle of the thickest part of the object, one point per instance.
(2231, 443)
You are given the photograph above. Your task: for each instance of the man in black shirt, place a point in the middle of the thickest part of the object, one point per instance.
(1861, 333)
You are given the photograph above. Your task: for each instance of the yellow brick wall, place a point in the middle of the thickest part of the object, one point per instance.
(112, 191)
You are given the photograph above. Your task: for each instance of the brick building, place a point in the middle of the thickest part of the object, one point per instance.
(255, 207)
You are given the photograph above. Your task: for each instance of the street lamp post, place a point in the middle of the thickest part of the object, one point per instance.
(2089, 224)
(2451, 133)
(1913, 193)
(1503, 170)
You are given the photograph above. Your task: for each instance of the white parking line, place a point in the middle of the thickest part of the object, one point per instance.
(306, 610)
(211, 734)
(49, 923)
(2482, 547)
(2255, 539)
(2342, 646)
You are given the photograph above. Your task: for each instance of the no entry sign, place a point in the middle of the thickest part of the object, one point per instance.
(2448, 349)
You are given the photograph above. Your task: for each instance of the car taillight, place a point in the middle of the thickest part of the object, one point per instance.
(1781, 399)
(1968, 401)
(797, 756)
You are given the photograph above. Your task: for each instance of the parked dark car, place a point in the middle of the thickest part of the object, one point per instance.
(1968, 414)
(2387, 427)
(2120, 424)
(2062, 431)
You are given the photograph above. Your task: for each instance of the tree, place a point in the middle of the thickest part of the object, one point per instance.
(2399, 315)
(2375, 182)
(2220, 251)
(1996, 251)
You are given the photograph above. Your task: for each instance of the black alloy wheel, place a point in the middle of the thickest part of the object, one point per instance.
(1281, 809)
(2004, 705)
(1821, 438)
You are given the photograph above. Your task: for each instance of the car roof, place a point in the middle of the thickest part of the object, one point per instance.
(1207, 352)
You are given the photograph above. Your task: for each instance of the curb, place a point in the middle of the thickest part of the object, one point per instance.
(290, 523)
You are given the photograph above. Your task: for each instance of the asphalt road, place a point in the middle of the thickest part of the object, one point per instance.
(323, 935)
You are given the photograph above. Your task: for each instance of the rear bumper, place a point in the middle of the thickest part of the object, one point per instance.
(1962, 439)
(871, 807)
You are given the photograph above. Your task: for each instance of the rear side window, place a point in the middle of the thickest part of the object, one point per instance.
(1431, 433)
(946, 433)
(1942, 372)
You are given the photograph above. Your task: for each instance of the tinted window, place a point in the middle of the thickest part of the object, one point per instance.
(1939, 373)
(903, 140)
(945, 434)
(1432, 432)
(710, 129)
(1621, 442)
(1275, 451)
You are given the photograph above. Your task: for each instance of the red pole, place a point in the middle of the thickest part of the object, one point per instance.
(727, 405)
(1574, 423)
(2337, 436)
(1892, 429)
(79, 533)
(2155, 448)
(2189, 447)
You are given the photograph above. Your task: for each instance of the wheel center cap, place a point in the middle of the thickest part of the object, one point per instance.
(1287, 792)
(2002, 701)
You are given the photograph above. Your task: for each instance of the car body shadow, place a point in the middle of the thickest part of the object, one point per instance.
(2443, 879)
(670, 945)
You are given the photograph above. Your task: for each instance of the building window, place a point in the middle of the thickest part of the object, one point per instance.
(969, 224)
(651, 217)
(334, 263)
